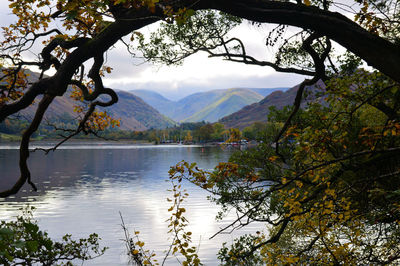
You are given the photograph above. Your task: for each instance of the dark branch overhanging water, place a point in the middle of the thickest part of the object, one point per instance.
(83, 186)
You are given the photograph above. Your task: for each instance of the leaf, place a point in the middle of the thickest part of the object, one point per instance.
(140, 243)
(6, 231)
(72, 14)
(135, 252)
(32, 246)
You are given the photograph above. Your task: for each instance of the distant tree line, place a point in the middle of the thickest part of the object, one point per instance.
(189, 132)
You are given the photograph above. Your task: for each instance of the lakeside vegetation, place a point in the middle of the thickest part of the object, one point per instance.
(190, 132)
(325, 181)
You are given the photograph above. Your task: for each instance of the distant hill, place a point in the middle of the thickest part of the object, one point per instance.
(132, 111)
(130, 108)
(267, 91)
(258, 112)
(230, 101)
(208, 106)
(155, 100)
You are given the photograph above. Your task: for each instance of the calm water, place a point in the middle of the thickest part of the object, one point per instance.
(82, 188)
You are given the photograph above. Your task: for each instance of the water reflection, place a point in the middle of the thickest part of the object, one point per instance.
(81, 190)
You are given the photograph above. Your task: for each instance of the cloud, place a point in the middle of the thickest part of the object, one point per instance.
(198, 72)
(176, 88)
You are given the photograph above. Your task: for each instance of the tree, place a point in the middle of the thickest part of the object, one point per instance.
(322, 181)
(255, 131)
(234, 135)
(328, 195)
(91, 27)
(218, 133)
(188, 137)
(23, 243)
(328, 181)
(204, 133)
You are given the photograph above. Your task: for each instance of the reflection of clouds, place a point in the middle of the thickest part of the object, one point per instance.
(105, 182)
(92, 209)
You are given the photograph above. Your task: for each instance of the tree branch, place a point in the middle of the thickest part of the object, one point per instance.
(24, 148)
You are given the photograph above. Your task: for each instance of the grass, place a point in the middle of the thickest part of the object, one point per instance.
(9, 137)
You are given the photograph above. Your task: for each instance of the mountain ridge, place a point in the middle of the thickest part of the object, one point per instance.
(132, 111)
(258, 112)
(204, 106)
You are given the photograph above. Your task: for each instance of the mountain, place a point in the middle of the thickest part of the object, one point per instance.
(131, 108)
(132, 111)
(156, 100)
(182, 109)
(190, 105)
(267, 91)
(258, 112)
(208, 106)
(230, 101)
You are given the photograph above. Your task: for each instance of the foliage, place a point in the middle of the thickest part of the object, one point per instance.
(255, 131)
(177, 222)
(326, 177)
(181, 239)
(200, 132)
(324, 180)
(204, 133)
(234, 135)
(72, 34)
(135, 248)
(229, 255)
(188, 138)
(172, 42)
(23, 243)
(328, 192)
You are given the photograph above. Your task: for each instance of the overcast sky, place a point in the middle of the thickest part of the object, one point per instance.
(198, 73)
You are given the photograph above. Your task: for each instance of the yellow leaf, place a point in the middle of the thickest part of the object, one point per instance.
(135, 252)
(273, 158)
(140, 243)
(307, 2)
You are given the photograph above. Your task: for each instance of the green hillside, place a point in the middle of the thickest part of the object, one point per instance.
(131, 108)
(208, 106)
(194, 103)
(231, 101)
(132, 111)
(258, 112)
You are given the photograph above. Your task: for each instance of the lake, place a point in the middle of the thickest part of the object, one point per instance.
(84, 186)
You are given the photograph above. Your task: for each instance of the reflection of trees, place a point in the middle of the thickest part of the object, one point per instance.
(64, 168)
(51, 170)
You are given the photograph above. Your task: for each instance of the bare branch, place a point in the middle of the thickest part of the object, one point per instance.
(24, 148)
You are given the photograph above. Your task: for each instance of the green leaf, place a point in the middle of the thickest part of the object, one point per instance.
(19, 244)
(71, 14)
(32, 246)
(32, 228)
(6, 231)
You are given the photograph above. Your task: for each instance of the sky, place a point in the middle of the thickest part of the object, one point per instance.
(198, 73)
